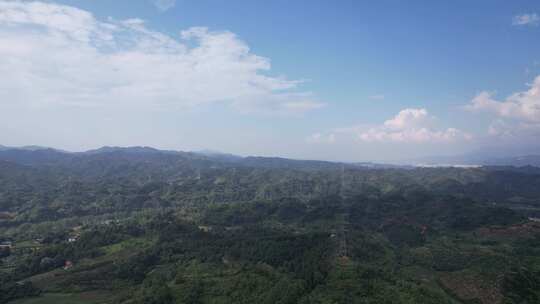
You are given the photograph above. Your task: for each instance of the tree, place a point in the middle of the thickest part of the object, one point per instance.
(155, 290)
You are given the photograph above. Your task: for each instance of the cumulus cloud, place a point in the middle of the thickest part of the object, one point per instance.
(408, 126)
(411, 126)
(526, 19)
(164, 5)
(516, 118)
(524, 106)
(53, 54)
(408, 119)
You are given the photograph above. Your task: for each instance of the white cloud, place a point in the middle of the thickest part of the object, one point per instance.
(526, 19)
(516, 119)
(54, 54)
(524, 106)
(408, 126)
(164, 5)
(411, 126)
(408, 119)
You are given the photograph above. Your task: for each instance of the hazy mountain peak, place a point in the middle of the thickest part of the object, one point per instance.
(133, 149)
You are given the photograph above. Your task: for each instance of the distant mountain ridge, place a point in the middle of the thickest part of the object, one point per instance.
(134, 149)
(38, 155)
(49, 156)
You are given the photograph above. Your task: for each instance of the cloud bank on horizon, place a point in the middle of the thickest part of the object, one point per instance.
(57, 57)
(515, 118)
(408, 126)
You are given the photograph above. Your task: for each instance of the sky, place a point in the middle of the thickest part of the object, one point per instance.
(339, 80)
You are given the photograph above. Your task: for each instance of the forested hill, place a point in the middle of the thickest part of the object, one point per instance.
(139, 225)
(264, 178)
(48, 156)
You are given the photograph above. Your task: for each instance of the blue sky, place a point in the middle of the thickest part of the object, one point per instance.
(338, 80)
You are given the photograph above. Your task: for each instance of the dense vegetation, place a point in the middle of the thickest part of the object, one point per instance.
(145, 226)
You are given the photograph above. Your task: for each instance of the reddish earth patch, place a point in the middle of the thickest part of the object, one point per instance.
(466, 286)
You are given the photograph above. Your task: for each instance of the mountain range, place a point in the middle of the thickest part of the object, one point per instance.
(33, 154)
